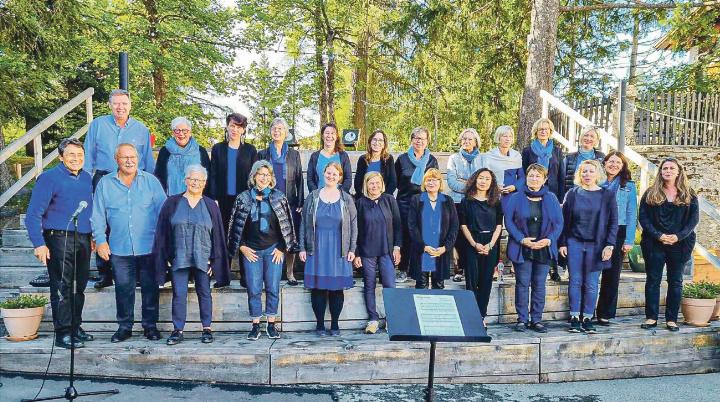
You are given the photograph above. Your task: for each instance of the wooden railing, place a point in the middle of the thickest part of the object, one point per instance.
(34, 135)
(678, 118)
(648, 170)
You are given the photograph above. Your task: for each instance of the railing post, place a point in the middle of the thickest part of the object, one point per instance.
(37, 150)
(545, 107)
(572, 134)
(89, 109)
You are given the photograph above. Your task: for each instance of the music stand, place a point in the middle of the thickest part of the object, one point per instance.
(433, 315)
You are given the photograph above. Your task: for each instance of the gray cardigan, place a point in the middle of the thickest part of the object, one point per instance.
(349, 223)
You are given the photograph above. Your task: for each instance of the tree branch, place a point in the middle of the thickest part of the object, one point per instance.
(638, 5)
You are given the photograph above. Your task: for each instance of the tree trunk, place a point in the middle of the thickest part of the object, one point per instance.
(6, 179)
(159, 86)
(330, 75)
(359, 86)
(634, 52)
(320, 66)
(158, 75)
(541, 58)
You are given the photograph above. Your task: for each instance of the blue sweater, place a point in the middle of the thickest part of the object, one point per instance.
(516, 213)
(55, 197)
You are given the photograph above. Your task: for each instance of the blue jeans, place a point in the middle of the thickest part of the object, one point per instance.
(584, 278)
(264, 270)
(387, 278)
(180, 279)
(528, 274)
(124, 273)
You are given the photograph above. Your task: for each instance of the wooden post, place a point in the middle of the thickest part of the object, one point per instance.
(18, 171)
(37, 150)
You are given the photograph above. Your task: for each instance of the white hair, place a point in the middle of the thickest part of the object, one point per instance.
(196, 169)
(178, 121)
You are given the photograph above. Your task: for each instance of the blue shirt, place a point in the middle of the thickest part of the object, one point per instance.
(373, 167)
(232, 171)
(104, 135)
(55, 197)
(131, 213)
(322, 162)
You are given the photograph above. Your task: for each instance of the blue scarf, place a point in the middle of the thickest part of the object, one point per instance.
(432, 219)
(613, 185)
(261, 214)
(279, 159)
(470, 157)
(420, 165)
(180, 158)
(584, 156)
(543, 153)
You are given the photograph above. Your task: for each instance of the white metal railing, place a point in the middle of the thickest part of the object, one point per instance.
(648, 170)
(35, 135)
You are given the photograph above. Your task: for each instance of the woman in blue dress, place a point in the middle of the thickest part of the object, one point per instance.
(328, 235)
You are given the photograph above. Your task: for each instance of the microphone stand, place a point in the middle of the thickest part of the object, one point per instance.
(70, 392)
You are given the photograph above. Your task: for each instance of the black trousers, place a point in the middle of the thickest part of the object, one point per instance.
(423, 280)
(610, 280)
(656, 257)
(65, 255)
(226, 202)
(319, 299)
(461, 246)
(104, 267)
(479, 270)
(404, 207)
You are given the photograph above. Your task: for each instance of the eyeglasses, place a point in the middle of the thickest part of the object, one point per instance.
(183, 131)
(419, 139)
(377, 140)
(195, 181)
(127, 158)
(263, 174)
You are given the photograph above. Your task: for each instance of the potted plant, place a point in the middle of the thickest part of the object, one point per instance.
(698, 303)
(635, 256)
(715, 289)
(22, 316)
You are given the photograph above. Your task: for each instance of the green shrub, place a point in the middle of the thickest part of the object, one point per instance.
(697, 290)
(711, 287)
(24, 301)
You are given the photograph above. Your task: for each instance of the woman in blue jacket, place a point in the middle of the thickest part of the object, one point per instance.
(619, 180)
(534, 221)
(331, 151)
(588, 240)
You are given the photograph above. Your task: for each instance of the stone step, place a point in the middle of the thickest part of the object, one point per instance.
(230, 308)
(15, 238)
(24, 257)
(622, 350)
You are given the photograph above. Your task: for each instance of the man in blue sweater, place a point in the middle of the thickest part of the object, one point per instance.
(57, 194)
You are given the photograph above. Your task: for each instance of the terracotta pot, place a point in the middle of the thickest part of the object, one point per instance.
(716, 312)
(23, 323)
(697, 311)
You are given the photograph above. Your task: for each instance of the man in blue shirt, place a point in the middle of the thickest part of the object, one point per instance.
(57, 194)
(128, 202)
(104, 135)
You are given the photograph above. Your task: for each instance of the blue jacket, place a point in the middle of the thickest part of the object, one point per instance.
(607, 226)
(56, 195)
(516, 215)
(626, 198)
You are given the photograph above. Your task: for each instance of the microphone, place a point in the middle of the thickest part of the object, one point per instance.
(82, 205)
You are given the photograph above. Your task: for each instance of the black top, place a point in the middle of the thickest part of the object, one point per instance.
(217, 180)
(586, 211)
(555, 179)
(313, 180)
(479, 216)
(404, 170)
(375, 242)
(534, 224)
(387, 169)
(391, 214)
(256, 240)
(668, 218)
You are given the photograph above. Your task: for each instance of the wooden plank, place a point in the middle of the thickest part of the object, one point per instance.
(706, 119)
(673, 121)
(640, 371)
(686, 123)
(668, 120)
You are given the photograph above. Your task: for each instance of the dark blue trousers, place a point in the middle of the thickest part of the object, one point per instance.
(530, 274)
(584, 277)
(180, 279)
(656, 257)
(124, 272)
(387, 278)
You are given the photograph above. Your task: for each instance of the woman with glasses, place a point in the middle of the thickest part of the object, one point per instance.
(589, 139)
(262, 230)
(545, 152)
(376, 159)
(190, 240)
(288, 178)
(180, 151)
(332, 151)
(410, 169)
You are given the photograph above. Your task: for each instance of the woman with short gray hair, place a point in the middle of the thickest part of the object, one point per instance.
(287, 167)
(180, 151)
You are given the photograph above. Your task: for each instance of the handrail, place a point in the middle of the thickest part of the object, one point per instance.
(647, 168)
(35, 135)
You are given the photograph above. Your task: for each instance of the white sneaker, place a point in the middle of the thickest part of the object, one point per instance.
(372, 327)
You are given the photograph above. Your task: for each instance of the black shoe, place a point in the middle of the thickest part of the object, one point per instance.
(254, 333)
(152, 334)
(83, 336)
(42, 281)
(538, 327)
(175, 338)
(103, 283)
(207, 336)
(647, 325)
(588, 326)
(271, 331)
(554, 275)
(520, 326)
(575, 325)
(334, 332)
(292, 282)
(64, 341)
(120, 335)
(603, 322)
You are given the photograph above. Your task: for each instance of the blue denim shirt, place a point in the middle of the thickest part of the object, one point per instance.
(131, 213)
(626, 198)
(104, 135)
(459, 168)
